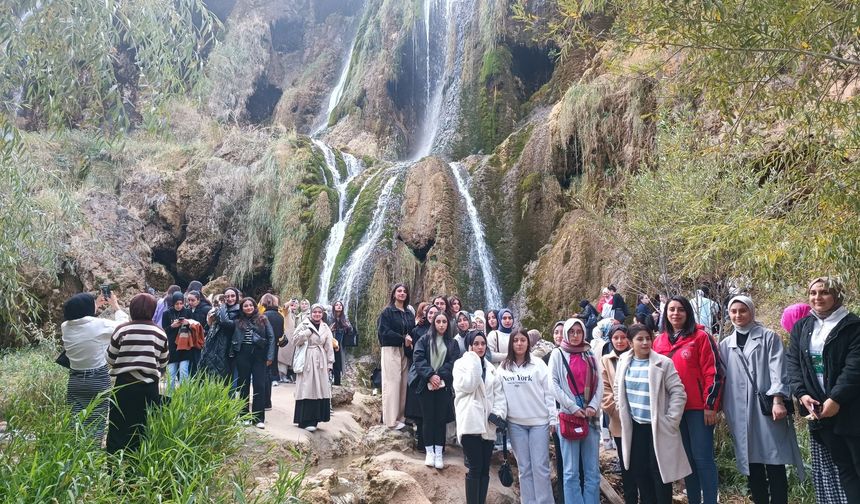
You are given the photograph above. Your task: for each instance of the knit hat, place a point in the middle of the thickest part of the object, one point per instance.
(792, 314)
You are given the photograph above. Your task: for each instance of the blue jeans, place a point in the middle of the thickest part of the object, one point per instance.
(531, 448)
(698, 438)
(570, 453)
(177, 372)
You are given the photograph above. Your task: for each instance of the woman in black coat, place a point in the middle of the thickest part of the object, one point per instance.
(276, 320)
(175, 323)
(198, 308)
(824, 370)
(432, 379)
(253, 347)
(426, 311)
(393, 327)
(344, 334)
(214, 358)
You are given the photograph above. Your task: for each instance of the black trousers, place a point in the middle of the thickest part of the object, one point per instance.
(628, 482)
(337, 368)
(251, 367)
(644, 468)
(477, 452)
(845, 452)
(435, 414)
(559, 467)
(768, 484)
(127, 413)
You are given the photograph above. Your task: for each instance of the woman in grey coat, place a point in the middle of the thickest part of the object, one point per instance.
(754, 358)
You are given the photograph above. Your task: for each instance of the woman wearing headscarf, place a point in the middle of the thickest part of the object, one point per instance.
(176, 323)
(137, 355)
(393, 327)
(480, 407)
(824, 371)
(825, 475)
(479, 321)
(214, 358)
(754, 360)
(619, 345)
(578, 387)
(498, 340)
(313, 390)
(270, 304)
(432, 368)
(464, 325)
(85, 340)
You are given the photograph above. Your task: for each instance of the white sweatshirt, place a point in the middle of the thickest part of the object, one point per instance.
(529, 394)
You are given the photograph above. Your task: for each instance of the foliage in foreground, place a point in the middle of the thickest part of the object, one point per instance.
(190, 452)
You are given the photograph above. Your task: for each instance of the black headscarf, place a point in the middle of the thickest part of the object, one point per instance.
(79, 306)
(177, 296)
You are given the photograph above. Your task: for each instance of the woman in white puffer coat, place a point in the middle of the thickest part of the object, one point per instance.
(479, 406)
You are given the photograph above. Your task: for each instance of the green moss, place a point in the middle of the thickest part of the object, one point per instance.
(359, 222)
(341, 164)
(529, 183)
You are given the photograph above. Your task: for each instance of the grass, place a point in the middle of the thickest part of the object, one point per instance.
(192, 451)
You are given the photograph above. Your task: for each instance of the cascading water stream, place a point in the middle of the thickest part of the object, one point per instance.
(492, 290)
(337, 92)
(352, 271)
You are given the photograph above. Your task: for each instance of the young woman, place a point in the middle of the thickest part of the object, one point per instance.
(137, 355)
(531, 417)
(577, 387)
(432, 368)
(344, 334)
(412, 410)
(492, 321)
(455, 304)
(395, 323)
(214, 359)
(479, 321)
(441, 304)
(164, 304)
(754, 361)
(480, 406)
(85, 340)
(823, 362)
(825, 475)
(313, 390)
(270, 304)
(464, 325)
(198, 307)
(292, 318)
(590, 315)
(254, 350)
(499, 339)
(557, 338)
(619, 345)
(697, 360)
(176, 323)
(650, 400)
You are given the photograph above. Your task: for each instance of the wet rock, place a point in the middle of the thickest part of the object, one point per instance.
(381, 439)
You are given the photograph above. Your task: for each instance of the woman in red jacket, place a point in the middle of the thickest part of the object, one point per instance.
(697, 360)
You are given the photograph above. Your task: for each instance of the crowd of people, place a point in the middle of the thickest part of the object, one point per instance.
(651, 390)
(654, 387)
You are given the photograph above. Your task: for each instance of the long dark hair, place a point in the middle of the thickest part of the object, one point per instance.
(393, 290)
(431, 334)
(443, 298)
(170, 291)
(339, 321)
(511, 358)
(256, 318)
(689, 325)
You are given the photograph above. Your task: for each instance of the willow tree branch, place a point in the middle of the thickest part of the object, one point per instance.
(781, 50)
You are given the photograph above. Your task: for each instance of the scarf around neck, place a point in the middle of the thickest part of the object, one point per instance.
(503, 329)
(438, 351)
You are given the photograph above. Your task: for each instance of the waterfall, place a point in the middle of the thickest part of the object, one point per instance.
(360, 257)
(492, 291)
(338, 230)
(444, 56)
(337, 92)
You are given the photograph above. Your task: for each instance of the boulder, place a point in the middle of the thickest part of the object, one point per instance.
(341, 396)
(394, 487)
(381, 439)
(158, 277)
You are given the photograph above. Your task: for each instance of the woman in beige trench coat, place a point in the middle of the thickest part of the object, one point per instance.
(313, 389)
(650, 399)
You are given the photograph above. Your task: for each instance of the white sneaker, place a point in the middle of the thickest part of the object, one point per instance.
(429, 460)
(399, 426)
(310, 428)
(246, 422)
(275, 383)
(261, 425)
(437, 458)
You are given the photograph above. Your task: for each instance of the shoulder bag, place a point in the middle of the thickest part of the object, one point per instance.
(765, 402)
(572, 427)
(506, 476)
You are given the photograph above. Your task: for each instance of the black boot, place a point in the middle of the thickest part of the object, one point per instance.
(472, 490)
(483, 489)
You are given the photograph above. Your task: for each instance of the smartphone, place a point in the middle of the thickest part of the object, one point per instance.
(105, 289)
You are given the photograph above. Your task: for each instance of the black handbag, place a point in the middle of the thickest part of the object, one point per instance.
(63, 360)
(506, 475)
(765, 402)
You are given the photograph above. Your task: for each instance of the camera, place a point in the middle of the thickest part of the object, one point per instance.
(105, 290)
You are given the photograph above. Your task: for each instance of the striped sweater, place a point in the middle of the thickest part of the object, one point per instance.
(138, 348)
